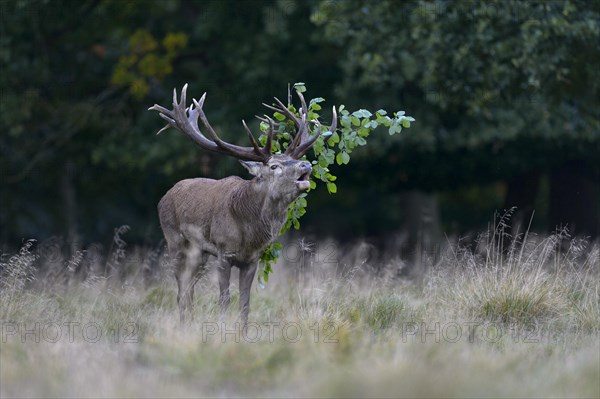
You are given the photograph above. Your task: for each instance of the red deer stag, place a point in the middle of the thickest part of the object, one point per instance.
(231, 219)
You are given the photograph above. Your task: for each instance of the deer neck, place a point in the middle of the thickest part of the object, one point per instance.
(261, 201)
(254, 205)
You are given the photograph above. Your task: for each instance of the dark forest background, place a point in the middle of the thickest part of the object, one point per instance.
(505, 95)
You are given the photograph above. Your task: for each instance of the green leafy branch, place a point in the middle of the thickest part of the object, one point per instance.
(331, 147)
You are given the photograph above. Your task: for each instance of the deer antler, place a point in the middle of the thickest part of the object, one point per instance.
(185, 120)
(301, 143)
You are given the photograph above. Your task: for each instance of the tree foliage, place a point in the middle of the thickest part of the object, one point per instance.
(500, 86)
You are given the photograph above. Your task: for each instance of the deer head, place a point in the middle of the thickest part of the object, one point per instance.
(281, 178)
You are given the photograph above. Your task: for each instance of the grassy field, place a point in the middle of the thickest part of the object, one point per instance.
(480, 322)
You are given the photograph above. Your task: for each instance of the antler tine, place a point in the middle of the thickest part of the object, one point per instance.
(300, 134)
(184, 95)
(251, 137)
(333, 126)
(206, 124)
(298, 152)
(283, 109)
(200, 104)
(163, 112)
(303, 102)
(270, 133)
(167, 118)
(272, 108)
(304, 147)
(159, 108)
(260, 118)
(263, 119)
(165, 127)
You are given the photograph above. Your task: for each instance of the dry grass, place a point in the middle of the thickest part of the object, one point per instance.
(486, 322)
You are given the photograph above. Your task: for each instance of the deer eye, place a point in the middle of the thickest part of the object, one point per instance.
(273, 167)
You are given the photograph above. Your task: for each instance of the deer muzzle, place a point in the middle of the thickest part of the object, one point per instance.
(303, 183)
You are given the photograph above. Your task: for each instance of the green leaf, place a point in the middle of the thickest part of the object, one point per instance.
(362, 113)
(330, 177)
(345, 158)
(332, 188)
(301, 202)
(313, 105)
(300, 87)
(345, 121)
(384, 120)
(329, 156)
(342, 158)
(334, 139)
(363, 132)
(279, 116)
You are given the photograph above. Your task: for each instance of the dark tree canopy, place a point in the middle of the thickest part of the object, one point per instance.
(505, 95)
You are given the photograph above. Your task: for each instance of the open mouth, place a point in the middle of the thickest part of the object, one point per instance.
(302, 182)
(304, 177)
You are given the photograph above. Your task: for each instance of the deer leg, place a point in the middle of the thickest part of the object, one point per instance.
(224, 269)
(247, 273)
(201, 267)
(178, 260)
(185, 292)
(187, 274)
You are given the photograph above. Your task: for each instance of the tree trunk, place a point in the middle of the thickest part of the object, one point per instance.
(422, 227)
(4, 221)
(70, 207)
(574, 202)
(521, 193)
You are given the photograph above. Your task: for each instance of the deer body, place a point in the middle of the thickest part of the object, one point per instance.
(221, 216)
(231, 219)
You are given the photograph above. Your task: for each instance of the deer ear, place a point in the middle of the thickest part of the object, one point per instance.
(253, 167)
